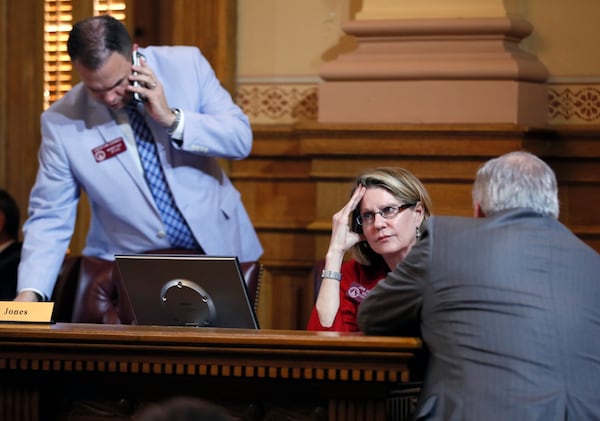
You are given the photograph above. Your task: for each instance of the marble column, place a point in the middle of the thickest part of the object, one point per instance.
(434, 61)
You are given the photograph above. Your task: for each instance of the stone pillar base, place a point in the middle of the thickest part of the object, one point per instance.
(431, 102)
(435, 71)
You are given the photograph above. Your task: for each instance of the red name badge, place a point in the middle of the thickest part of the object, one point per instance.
(108, 150)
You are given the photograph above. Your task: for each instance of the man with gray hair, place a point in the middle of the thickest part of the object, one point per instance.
(507, 304)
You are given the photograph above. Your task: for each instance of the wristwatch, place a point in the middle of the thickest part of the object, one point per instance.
(331, 275)
(177, 112)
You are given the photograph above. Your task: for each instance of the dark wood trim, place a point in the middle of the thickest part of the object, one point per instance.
(70, 368)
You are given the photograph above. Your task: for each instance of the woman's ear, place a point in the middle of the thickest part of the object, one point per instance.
(419, 212)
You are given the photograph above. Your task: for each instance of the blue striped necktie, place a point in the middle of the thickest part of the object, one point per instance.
(178, 231)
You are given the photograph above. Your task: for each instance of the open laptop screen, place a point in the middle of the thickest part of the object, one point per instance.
(187, 290)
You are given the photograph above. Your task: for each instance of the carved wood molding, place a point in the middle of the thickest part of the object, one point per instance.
(210, 353)
(108, 371)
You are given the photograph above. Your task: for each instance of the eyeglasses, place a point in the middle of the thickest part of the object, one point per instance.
(367, 218)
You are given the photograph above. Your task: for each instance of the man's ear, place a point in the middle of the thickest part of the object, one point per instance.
(477, 212)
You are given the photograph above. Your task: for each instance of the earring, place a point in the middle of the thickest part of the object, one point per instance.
(418, 234)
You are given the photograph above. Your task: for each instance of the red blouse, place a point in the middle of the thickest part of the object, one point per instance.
(357, 281)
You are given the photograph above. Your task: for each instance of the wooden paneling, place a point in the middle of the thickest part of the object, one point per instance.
(298, 176)
(21, 94)
(208, 24)
(74, 372)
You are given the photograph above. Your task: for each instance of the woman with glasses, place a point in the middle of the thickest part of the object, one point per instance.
(379, 225)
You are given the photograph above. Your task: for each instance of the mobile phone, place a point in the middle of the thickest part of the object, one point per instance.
(354, 226)
(135, 60)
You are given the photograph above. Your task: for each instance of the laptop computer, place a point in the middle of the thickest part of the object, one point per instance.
(187, 290)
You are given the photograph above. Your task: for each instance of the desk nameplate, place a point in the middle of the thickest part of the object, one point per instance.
(26, 312)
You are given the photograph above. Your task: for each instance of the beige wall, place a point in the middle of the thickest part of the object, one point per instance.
(289, 39)
(565, 36)
(282, 45)
(281, 38)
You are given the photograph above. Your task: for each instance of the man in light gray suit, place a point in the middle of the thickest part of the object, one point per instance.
(88, 144)
(508, 304)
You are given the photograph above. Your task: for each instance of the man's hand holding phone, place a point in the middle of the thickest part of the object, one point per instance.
(145, 88)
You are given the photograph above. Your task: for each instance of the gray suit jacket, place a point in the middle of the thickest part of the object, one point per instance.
(509, 307)
(124, 218)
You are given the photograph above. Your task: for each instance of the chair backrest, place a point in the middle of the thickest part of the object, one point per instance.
(89, 290)
(65, 288)
(253, 274)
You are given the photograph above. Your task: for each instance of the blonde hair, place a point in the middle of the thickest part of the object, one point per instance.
(404, 186)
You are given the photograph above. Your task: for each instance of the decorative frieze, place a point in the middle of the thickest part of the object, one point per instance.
(278, 103)
(568, 104)
(574, 104)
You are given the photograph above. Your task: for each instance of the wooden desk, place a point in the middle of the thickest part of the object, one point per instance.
(78, 371)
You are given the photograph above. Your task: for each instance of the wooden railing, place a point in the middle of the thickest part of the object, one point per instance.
(74, 371)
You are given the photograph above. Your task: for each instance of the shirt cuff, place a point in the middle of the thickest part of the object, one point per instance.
(40, 294)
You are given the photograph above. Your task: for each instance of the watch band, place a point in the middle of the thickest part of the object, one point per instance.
(331, 275)
(175, 124)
